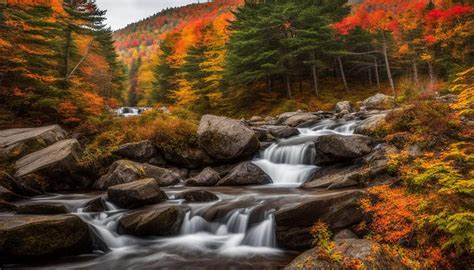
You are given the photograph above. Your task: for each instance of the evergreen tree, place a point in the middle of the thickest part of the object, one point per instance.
(165, 72)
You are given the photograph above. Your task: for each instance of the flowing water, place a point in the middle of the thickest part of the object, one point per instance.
(235, 232)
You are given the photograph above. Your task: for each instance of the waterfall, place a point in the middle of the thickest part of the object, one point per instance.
(290, 161)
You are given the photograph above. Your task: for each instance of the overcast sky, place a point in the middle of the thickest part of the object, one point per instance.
(122, 12)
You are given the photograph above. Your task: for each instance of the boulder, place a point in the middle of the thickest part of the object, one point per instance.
(256, 119)
(355, 253)
(60, 158)
(345, 234)
(139, 151)
(284, 132)
(379, 102)
(301, 120)
(23, 141)
(41, 208)
(153, 222)
(95, 206)
(7, 207)
(246, 173)
(208, 177)
(337, 148)
(191, 158)
(197, 195)
(343, 106)
(6, 194)
(339, 210)
(226, 139)
(39, 236)
(125, 171)
(136, 194)
(370, 170)
(371, 125)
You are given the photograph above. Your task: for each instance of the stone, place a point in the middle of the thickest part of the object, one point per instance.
(22, 141)
(6, 194)
(246, 173)
(345, 234)
(343, 106)
(256, 119)
(60, 158)
(136, 194)
(125, 171)
(191, 158)
(284, 132)
(339, 210)
(301, 120)
(7, 207)
(337, 148)
(41, 208)
(153, 222)
(197, 195)
(367, 254)
(95, 206)
(206, 178)
(225, 139)
(41, 236)
(339, 175)
(379, 102)
(138, 151)
(372, 125)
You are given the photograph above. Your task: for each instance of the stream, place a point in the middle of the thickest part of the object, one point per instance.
(235, 232)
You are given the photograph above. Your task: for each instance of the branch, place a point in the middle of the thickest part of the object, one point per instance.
(80, 61)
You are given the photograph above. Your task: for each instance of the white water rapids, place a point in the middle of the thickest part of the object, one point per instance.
(236, 232)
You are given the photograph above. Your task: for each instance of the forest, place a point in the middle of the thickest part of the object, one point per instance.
(238, 134)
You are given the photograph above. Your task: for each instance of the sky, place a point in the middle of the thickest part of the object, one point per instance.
(123, 12)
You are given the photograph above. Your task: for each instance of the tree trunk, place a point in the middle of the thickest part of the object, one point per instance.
(288, 86)
(301, 82)
(432, 76)
(269, 84)
(343, 75)
(389, 72)
(377, 76)
(415, 72)
(314, 74)
(370, 77)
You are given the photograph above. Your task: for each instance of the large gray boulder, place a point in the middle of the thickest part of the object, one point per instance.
(343, 106)
(58, 159)
(371, 125)
(125, 171)
(337, 148)
(153, 222)
(339, 210)
(192, 157)
(225, 139)
(138, 151)
(136, 194)
(40, 236)
(206, 178)
(246, 173)
(367, 254)
(379, 102)
(22, 141)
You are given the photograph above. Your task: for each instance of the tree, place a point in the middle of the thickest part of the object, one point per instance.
(166, 72)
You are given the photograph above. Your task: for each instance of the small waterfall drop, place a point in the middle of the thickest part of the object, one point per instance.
(290, 161)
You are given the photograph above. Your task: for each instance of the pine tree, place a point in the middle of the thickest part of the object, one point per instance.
(165, 72)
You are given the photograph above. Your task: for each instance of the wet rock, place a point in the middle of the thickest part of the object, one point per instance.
(38, 236)
(343, 106)
(182, 172)
(153, 222)
(95, 206)
(136, 194)
(256, 119)
(379, 102)
(125, 171)
(139, 151)
(7, 207)
(336, 148)
(208, 177)
(5, 194)
(246, 173)
(22, 141)
(225, 139)
(261, 133)
(371, 125)
(197, 195)
(301, 120)
(339, 210)
(336, 176)
(60, 158)
(8, 182)
(41, 208)
(284, 132)
(191, 158)
(345, 234)
(368, 255)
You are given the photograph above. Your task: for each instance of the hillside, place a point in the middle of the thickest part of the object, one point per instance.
(142, 39)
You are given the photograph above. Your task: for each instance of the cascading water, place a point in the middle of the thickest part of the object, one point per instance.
(290, 161)
(238, 231)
